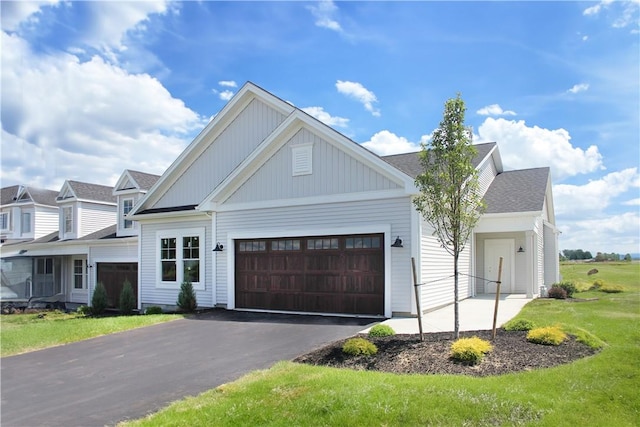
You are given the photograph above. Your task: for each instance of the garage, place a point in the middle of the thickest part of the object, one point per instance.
(113, 276)
(318, 274)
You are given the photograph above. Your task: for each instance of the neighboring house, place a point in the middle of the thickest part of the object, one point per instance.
(270, 209)
(27, 213)
(93, 243)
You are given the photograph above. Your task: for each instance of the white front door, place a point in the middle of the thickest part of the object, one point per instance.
(493, 250)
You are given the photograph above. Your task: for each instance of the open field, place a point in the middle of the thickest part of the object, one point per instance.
(597, 390)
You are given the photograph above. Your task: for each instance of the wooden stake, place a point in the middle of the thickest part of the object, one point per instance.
(415, 288)
(495, 310)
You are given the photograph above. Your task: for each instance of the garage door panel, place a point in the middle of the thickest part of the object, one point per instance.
(330, 274)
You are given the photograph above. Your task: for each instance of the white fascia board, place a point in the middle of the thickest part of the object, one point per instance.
(169, 217)
(208, 135)
(97, 202)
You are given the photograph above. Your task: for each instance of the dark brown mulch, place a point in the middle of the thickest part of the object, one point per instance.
(406, 354)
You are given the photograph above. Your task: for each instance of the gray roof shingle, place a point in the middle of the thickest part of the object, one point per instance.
(409, 163)
(87, 191)
(144, 180)
(518, 191)
(40, 196)
(7, 194)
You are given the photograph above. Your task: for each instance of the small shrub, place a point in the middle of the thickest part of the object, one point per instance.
(359, 347)
(154, 309)
(99, 300)
(557, 292)
(568, 287)
(470, 350)
(127, 298)
(597, 284)
(519, 325)
(381, 330)
(550, 335)
(611, 289)
(187, 298)
(83, 310)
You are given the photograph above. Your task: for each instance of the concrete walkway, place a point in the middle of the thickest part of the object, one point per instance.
(475, 314)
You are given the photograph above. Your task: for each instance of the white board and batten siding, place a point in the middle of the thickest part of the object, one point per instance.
(223, 155)
(391, 216)
(333, 172)
(437, 267)
(93, 217)
(151, 294)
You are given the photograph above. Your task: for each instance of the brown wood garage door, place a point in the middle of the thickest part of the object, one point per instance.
(325, 274)
(113, 275)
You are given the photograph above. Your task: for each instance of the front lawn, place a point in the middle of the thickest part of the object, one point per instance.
(598, 390)
(20, 333)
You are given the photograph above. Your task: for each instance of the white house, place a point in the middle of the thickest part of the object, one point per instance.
(270, 209)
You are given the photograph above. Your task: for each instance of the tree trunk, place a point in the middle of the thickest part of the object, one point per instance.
(456, 329)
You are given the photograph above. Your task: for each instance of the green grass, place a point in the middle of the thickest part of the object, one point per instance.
(600, 390)
(21, 333)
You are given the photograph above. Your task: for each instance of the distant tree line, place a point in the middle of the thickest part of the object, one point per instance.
(579, 254)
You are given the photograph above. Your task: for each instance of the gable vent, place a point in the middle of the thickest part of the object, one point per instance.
(302, 157)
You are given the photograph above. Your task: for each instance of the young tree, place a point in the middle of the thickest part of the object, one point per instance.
(449, 199)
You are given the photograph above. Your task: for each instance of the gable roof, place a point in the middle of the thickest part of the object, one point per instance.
(409, 163)
(40, 196)
(86, 191)
(518, 191)
(135, 180)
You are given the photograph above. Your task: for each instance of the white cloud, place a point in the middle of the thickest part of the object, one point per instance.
(594, 196)
(495, 110)
(324, 12)
(632, 202)
(616, 233)
(622, 13)
(16, 12)
(582, 87)
(595, 9)
(524, 147)
(95, 120)
(361, 94)
(385, 143)
(226, 95)
(228, 83)
(326, 118)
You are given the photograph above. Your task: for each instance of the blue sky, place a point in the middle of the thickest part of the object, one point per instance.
(92, 88)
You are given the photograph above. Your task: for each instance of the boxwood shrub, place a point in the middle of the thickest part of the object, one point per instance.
(381, 330)
(359, 347)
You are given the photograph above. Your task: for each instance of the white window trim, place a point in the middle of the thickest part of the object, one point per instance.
(23, 223)
(178, 235)
(7, 222)
(124, 220)
(64, 219)
(84, 275)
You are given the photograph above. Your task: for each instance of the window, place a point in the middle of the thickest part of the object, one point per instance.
(181, 258)
(25, 224)
(362, 242)
(127, 206)
(168, 256)
(44, 266)
(325, 243)
(253, 246)
(68, 219)
(285, 245)
(4, 221)
(78, 274)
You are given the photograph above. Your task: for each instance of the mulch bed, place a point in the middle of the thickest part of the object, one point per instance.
(406, 354)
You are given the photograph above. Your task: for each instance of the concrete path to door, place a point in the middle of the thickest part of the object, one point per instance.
(128, 375)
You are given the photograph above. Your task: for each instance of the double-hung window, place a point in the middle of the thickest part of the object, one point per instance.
(180, 258)
(127, 206)
(25, 223)
(79, 274)
(4, 221)
(67, 213)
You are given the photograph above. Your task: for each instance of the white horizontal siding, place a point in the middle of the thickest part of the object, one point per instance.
(437, 272)
(152, 295)
(93, 217)
(334, 172)
(223, 155)
(396, 213)
(45, 221)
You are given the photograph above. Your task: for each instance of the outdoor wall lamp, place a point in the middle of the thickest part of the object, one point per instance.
(520, 250)
(218, 247)
(397, 243)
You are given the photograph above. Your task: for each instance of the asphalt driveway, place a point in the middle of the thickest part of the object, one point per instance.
(127, 375)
